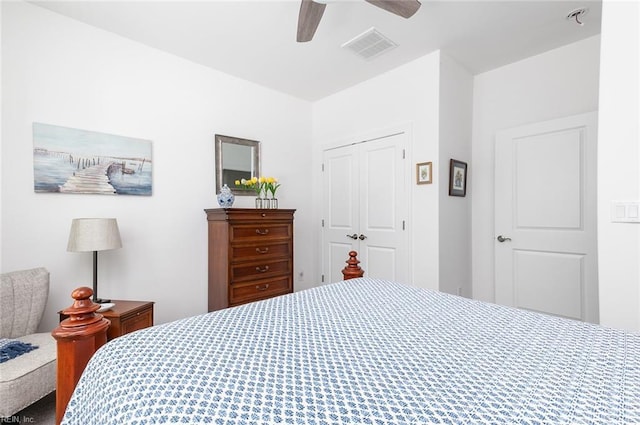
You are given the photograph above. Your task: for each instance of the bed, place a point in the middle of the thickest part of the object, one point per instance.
(364, 351)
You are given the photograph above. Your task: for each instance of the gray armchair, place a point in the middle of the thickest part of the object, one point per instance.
(30, 376)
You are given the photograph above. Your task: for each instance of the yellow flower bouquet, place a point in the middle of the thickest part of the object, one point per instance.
(272, 185)
(260, 185)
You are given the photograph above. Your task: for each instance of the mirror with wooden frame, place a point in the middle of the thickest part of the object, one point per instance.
(236, 159)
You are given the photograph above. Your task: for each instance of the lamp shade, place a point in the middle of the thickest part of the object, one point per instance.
(94, 234)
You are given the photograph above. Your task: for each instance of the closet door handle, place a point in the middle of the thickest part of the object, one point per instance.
(354, 236)
(362, 237)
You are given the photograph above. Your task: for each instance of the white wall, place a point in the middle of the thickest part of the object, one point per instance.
(554, 84)
(406, 96)
(619, 164)
(455, 113)
(58, 71)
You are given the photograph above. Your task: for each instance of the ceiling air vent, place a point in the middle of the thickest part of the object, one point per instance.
(369, 44)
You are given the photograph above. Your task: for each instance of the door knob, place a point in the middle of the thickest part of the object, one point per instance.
(502, 238)
(362, 237)
(354, 236)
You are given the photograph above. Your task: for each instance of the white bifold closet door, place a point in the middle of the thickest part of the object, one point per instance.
(365, 208)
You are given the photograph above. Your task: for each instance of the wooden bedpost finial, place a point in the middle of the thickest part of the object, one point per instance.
(77, 337)
(82, 312)
(352, 270)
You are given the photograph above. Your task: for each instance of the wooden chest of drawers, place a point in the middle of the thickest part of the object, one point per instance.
(250, 255)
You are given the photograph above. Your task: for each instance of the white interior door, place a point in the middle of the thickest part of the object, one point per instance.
(545, 220)
(365, 208)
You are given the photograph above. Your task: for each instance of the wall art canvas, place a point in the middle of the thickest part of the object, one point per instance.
(69, 160)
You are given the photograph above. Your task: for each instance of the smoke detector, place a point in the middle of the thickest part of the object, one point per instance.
(369, 44)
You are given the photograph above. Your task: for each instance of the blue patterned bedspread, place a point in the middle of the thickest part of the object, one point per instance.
(364, 351)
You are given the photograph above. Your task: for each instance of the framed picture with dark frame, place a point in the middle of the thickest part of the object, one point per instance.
(424, 173)
(457, 178)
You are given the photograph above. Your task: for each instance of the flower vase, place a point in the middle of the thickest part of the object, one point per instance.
(259, 203)
(225, 197)
(274, 203)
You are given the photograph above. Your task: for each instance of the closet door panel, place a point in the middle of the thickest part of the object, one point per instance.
(340, 209)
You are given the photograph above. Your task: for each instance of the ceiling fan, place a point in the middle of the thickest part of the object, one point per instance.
(311, 13)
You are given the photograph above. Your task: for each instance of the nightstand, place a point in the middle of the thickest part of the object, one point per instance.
(125, 317)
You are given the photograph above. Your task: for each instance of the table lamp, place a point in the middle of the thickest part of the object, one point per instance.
(94, 234)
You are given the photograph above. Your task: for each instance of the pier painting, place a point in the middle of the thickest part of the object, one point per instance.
(69, 160)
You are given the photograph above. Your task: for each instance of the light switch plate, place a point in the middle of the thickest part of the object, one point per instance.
(625, 211)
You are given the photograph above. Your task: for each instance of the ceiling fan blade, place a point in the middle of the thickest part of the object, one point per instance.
(308, 19)
(404, 8)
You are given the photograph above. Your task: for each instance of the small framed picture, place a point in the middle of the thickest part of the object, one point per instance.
(457, 178)
(424, 173)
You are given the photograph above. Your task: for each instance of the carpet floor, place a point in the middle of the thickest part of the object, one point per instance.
(42, 412)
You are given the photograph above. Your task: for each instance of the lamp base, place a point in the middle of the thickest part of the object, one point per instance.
(101, 301)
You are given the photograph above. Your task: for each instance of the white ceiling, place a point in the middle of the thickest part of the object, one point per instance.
(255, 40)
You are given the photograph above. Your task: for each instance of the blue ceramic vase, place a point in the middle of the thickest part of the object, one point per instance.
(225, 197)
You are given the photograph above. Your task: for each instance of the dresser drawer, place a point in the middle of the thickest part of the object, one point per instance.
(260, 269)
(257, 290)
(134, 322)
(243, 215)
(259, 231)
(260, 250)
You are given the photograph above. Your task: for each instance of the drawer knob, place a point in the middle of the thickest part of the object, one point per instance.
(262, 250)
(262, 269)
(262, 287)
(262, 231)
